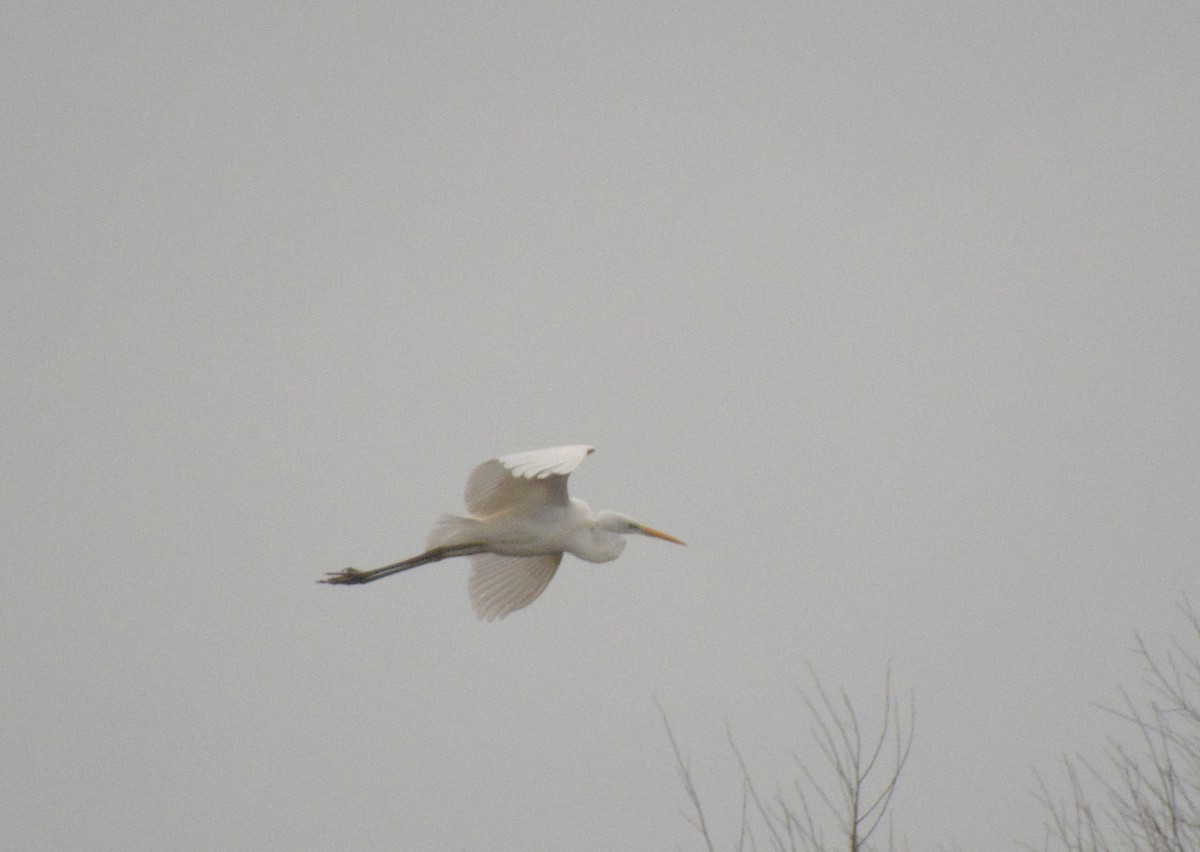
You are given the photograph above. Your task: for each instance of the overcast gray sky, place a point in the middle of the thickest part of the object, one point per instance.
(890, 311)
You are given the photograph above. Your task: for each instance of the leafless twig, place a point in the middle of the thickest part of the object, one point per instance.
(854, 781)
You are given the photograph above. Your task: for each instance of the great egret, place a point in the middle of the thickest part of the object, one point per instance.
(520, 523)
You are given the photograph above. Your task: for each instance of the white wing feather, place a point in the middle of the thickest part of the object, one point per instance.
(503, 584)
(538, 464)
(522, 479)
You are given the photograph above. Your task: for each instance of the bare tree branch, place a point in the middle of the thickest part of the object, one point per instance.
(1146, 795)
(685, 776)
(854, 780)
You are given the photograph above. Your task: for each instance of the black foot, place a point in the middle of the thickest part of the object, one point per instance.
(349, 575)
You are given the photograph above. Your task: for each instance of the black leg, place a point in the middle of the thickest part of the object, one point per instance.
(352, 576)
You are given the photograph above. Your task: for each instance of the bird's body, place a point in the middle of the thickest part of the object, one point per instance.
(572, 528)
(519, 524)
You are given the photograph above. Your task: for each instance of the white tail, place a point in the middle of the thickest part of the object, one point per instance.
(452, 531)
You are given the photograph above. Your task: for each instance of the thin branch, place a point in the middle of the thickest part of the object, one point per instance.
(685, 776)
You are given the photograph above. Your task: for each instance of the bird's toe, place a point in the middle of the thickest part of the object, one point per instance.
(347, 575)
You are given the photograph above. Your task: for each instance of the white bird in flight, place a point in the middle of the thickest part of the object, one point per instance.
(519, 524)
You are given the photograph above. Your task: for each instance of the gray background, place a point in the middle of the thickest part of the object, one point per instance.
(890, 311)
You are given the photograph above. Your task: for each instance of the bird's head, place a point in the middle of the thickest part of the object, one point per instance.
(615, 522)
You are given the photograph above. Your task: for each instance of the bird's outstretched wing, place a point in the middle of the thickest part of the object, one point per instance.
(502, 584)
(522, 479)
